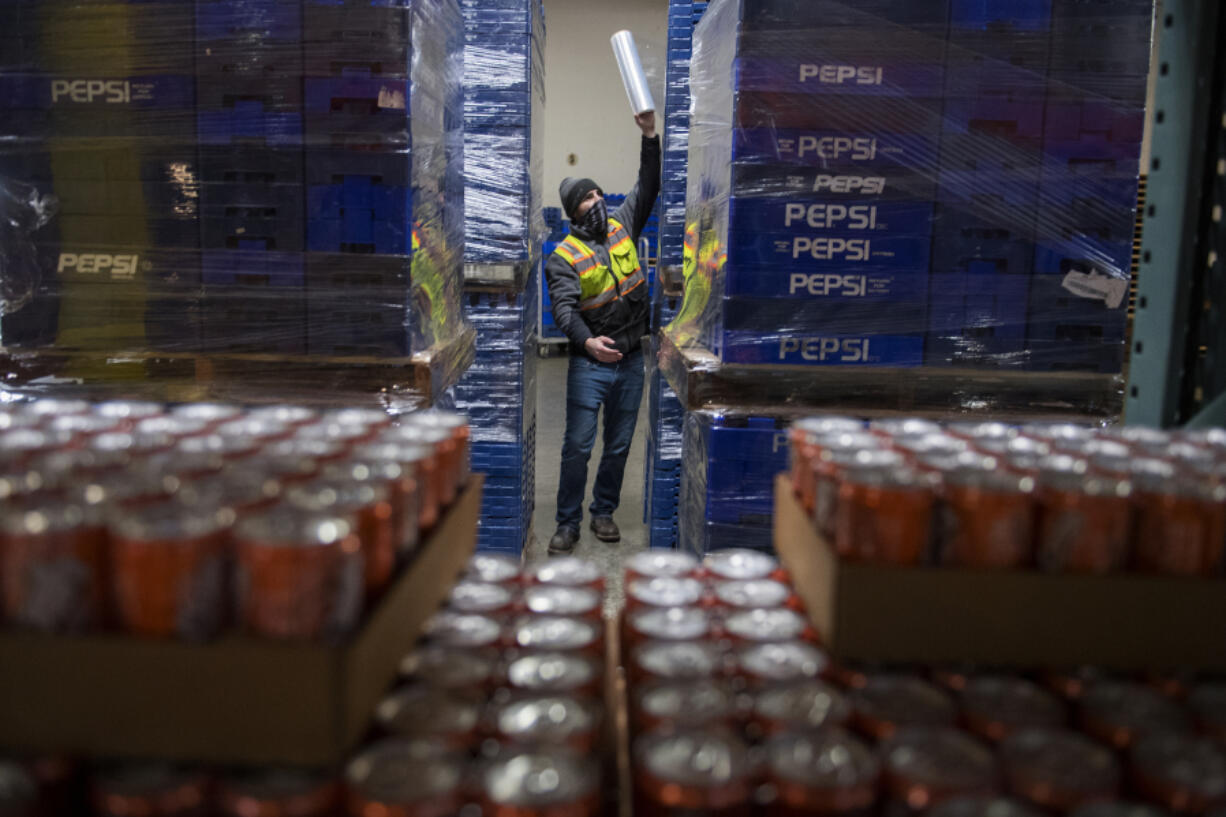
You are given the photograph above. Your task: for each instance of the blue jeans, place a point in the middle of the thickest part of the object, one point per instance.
(618, 387)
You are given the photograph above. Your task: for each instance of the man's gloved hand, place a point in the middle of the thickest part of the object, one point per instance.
(647, 123)
(602, 349)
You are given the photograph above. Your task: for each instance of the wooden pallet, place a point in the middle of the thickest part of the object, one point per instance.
(406, 382)
(701, 381)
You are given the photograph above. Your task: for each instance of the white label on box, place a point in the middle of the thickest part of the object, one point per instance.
(1097, 287)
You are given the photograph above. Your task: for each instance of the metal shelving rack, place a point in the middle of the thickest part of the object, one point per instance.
(1177, 374)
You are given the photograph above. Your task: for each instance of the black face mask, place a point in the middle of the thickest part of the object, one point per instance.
(596, 221)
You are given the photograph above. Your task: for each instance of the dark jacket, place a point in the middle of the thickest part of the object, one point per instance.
(635, 309)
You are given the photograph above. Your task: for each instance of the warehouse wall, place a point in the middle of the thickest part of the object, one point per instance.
(586, 112)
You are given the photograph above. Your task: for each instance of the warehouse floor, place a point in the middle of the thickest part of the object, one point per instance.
(550, 425)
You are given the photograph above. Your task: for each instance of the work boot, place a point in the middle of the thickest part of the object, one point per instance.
(563, 542)
(606, 529)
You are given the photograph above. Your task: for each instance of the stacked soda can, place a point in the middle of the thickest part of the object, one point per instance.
(1059, 497)
(501, 704)
(181, 521)
(736, 710)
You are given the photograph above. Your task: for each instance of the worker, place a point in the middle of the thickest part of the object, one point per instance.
(601, 302)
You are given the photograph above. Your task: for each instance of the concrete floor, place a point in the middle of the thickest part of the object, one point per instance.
(550, 425)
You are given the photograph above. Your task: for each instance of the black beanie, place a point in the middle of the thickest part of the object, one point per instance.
(573, 192)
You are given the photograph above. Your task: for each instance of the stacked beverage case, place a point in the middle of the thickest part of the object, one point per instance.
(278, 176)
(181, 522)
(735, 709)
(499, 709)
(504, 97)
(901, 184)
(1060, 498)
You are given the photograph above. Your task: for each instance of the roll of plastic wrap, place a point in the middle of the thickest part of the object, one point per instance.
(635, 80)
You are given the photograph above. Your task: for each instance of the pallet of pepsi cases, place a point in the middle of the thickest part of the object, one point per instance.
(946, 184)
(276, 177)
(729, 461)
(504, 99)
(662, 463)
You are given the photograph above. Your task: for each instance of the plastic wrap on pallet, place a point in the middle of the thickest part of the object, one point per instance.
(504, 102)
(727, 478)
(237, 178)
(662, 463)
(946, 184)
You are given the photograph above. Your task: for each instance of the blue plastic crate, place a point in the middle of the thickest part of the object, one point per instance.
(836, 152)
(825, 213)
(862, 349)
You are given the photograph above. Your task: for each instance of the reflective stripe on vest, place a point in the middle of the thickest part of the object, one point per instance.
(598, 283)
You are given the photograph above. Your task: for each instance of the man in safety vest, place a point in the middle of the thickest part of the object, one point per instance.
(600, 300)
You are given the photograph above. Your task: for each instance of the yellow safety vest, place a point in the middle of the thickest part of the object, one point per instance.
(601, 286)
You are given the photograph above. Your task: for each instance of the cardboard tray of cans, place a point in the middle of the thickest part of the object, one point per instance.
(879, 613)
(235, 700)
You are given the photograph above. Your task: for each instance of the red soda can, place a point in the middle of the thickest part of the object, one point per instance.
(370, 508)
(260, 432)
(893, 428)
(234, 449)
(675, 661)
(1101, 447)
(731, 564)
(284, 415)
(1058, 770)
(455, 425)
(299, 575)
(135, 444)
(553, 720)
(557, 600)
(993, 807)
(918, 448)
(779, 662)
(80, 464)
(1120, 713)
(944, 461)
(805, 438)
(954, 677)
(884, 515)
(24, 482)
(154, 789)
(10, 421)
(1059, 434)
(445, 450)
(403, 777)
(242, 491)
(568, 571)
(493, 568)
(1072, 684)
(751, 594)
(212, 413)
(358, 416)
(800, 705)
(402, 489)
(524, 781)
(1208, 704)
(828, 477)
(1013, 447)
(1183, 774)
(820, 772)
(187, 466)
(572, 673)
(422, 465)
(48, 408)
(987, 519)
(346, 435)
(558, 634)
(19, 795)
(21, 446)
(928, 765)
(480, 598)
(322, 452)
(464, 630)
(128, 411)
(674, 705)
(766, 625)
(887, 703)
(278, 793)
(290, 470)
(451, 668)
(668, 624)
(419, 711)
(1117, 808)
(166, 425)
(53, 565)
(700, 771)
(974, 432)
(996, 706)
(1084, 520)
(83, 425)
(169, 570)
(1180, 521)
(663, 592)
(661, 564)
(139, 486)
